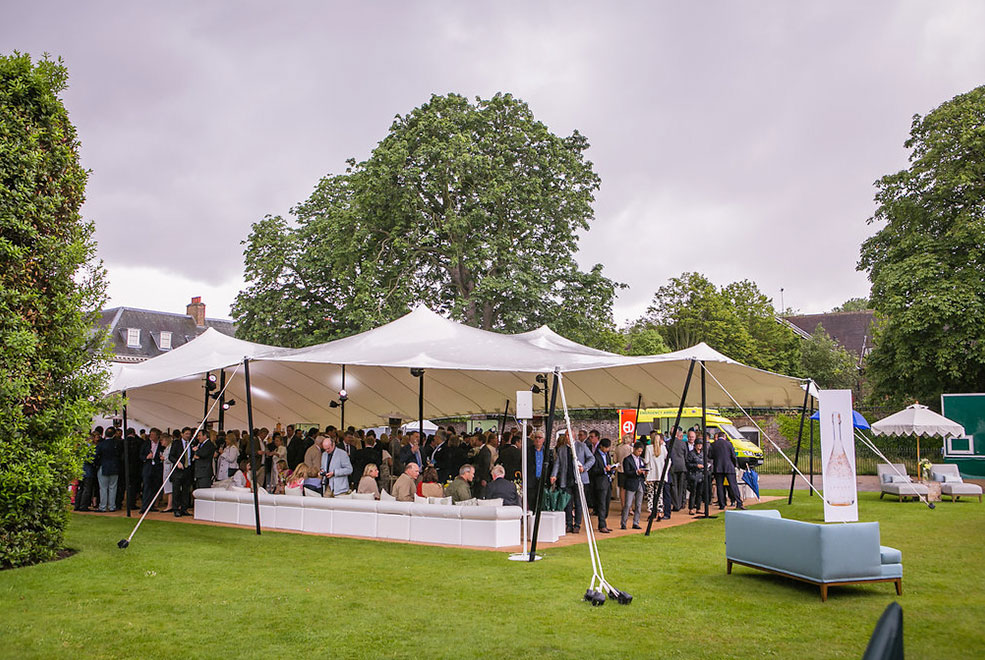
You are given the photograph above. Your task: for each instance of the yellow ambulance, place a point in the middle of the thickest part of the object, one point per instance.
(661, 419)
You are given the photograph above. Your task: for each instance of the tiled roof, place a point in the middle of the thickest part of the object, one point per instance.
(119, 320)
(853, 330)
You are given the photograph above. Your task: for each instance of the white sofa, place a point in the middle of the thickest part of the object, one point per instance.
(470, 526)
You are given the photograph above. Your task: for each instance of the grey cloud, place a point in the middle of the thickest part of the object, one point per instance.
(738, 139)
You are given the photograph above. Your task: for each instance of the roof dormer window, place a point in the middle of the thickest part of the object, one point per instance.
(165, 340)
(133, 337)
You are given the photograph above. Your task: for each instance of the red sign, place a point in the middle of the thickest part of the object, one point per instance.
(627, 422)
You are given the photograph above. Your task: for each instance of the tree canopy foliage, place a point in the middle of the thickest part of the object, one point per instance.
(927, 262)
(854, 305)
(472, 209)
(737, 319)
(50, 291)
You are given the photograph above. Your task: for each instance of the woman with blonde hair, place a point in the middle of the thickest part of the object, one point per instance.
(654, 457)
(367, 484)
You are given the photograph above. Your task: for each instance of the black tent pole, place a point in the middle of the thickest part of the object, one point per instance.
(545, 470)
(205, 410)
(222, 400)
(810, 491)
(636, 420)
(706, 481)
(253, 444)
(420, 407)
(126, 459)
(502, 423)
(800, 435)
(342, 411)
(670, 448)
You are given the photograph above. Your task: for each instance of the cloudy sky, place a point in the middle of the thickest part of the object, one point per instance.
(737, 139)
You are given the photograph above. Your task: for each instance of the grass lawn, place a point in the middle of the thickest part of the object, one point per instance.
(199, 591)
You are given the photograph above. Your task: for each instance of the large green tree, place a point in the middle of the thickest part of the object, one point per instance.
(737, 320)
(927, 261)
(50, 291)
(827, 363)
(473, 209)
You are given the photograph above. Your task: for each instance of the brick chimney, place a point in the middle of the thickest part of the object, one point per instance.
(196, 310)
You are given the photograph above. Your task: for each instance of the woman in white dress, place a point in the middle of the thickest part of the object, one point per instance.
(654, 462)
(165, 444)
(228, 460)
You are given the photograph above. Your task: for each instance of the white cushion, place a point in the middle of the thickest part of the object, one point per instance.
(345, 496)
(470, 502)
(309, 492)
(493, 502)
(240, 489)
(899, 479)
(386, 497)
(363, 496)
(439, 500)
(293, 491)
(420, 500)
(951, 479)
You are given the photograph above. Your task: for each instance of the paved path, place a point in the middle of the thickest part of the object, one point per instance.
(866, 482)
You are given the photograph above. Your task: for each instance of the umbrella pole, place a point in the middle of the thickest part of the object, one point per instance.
(670, 448)
(800, 436)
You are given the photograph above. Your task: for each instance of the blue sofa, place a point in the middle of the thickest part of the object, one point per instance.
(839, 553)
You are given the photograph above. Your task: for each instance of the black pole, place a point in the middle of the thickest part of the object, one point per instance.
(222, 400)
(253, 444)
(126, 459)
(636, 420)
(502, 423)
(810, 491)
(342, 405)
(670, 448)
(205, 411)
(545, 470)
(800, 435)
(420, 407)
(706, 481)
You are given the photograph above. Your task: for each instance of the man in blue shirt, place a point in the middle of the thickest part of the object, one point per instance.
(536, 459)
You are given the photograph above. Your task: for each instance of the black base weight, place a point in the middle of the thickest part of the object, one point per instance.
(123, 544)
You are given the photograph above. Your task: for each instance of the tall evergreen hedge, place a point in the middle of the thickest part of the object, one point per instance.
(51, 287)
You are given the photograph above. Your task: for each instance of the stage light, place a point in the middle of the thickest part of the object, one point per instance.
(343, 395)
(535, 389)
(229, 404)
(542, 379)
(333, 404)
(416, 373)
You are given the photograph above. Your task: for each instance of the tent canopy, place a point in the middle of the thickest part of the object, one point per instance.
(466, 371)
(919, 421)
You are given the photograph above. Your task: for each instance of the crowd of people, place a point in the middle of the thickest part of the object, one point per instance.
(399, 465)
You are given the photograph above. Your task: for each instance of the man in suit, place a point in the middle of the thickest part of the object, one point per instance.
(601, 481)
(484, 464)
(405, 487)
(586, 459)
(634, 472)
(181, 476)
(536, 461)
(500, 487)
(724, 460)
(411, 452)
(678, 469)
(152, 459)
(510, 458)
(296, 447)
(335, 468)
(202, 454)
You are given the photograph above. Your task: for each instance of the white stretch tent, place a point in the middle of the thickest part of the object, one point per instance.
(467, 371)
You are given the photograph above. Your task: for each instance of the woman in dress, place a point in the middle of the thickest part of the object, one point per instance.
(165, 443)
(228, 459)
(429, 486)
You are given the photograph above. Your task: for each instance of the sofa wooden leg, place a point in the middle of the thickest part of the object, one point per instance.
(728, 567)
(880, 495)
(824, 593)
(899, 587)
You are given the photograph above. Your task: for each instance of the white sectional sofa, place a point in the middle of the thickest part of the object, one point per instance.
(469, 526)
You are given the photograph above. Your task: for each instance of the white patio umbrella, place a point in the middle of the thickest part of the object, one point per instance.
(919, 421)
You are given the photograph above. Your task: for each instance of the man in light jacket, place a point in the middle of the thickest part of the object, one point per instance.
(335, 468)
